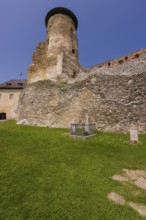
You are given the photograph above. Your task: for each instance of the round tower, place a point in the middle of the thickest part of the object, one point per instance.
(61, 26)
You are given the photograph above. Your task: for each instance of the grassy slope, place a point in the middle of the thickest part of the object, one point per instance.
(46, 175)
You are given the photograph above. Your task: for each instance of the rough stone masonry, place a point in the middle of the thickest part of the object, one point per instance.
(59, 89)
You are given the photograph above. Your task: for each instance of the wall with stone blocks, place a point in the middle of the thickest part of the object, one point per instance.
(59, 89)
(114, 101)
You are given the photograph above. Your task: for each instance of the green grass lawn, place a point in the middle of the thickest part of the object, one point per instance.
(44, 174)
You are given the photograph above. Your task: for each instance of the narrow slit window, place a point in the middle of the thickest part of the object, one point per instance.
(73, 51)
(11, 96)
(71, 29)
(74, 74)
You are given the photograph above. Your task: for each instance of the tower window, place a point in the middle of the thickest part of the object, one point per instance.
(126, 58)
(71, 29)
(74, 74)
(73, 51)
(109, 64)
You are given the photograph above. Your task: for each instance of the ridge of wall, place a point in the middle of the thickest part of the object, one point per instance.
(138, 54)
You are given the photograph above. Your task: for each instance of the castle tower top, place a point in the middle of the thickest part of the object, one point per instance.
(57, 58)
(61, 24)
(64, 11)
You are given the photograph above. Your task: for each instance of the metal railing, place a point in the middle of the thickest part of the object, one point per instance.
(83, 129)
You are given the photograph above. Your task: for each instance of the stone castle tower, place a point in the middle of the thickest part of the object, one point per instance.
(112, 93)
(61, 26)
(57, 57)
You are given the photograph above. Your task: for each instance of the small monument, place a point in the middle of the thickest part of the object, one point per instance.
(133, 134)
(83, 130)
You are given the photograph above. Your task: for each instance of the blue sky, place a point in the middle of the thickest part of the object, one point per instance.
(107, 29)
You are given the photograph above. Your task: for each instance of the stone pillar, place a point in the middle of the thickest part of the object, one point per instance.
(87, 128)
(73, 127)
(133, 134)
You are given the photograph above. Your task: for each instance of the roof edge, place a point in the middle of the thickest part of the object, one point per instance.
(61, 10)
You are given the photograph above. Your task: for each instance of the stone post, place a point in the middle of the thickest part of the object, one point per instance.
(73, 127)
(133, 134)
(87, 129)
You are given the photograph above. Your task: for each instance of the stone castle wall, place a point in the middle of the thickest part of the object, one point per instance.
(114, 100)
(113, 94)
